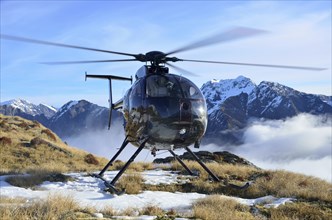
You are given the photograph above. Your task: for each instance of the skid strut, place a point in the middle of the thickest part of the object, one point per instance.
(181, 162)
(110, 185)
(215, 178)
(140, 148)
(110, 163)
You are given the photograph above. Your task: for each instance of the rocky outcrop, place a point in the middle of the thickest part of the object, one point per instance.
(208, 157)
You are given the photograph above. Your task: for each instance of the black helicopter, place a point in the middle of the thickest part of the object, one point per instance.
(162, 111)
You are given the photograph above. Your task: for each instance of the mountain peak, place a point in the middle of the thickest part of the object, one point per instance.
(12, 106)
(216, 92)
(16, 102)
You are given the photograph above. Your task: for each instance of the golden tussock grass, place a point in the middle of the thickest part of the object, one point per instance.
(15, 200)
(277, 183)
(287, 184)
(131, 182)
(54, 207)
(27, 144)
(298, 210)
(32, 180)
(57, 206)
(152, 210)
(224, 171)
(141, 166)
(215, 207)
(25, 181)
(109, 211)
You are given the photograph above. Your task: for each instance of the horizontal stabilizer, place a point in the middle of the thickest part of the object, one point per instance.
(109, 77)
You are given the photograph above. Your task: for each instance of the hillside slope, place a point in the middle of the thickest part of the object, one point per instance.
(27, 145)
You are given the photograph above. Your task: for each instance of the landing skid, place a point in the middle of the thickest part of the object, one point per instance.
(110, 186)
(212, 175)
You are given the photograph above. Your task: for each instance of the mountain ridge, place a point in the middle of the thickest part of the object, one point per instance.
(242, 100)
(231, 104)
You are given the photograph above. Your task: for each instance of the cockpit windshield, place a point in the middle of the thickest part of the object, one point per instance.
(171, 86)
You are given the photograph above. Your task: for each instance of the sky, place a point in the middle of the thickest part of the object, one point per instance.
(296, 33)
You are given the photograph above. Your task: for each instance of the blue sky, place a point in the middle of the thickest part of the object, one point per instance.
(298, 33)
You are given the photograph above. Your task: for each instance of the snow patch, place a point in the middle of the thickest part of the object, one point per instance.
(88, 191)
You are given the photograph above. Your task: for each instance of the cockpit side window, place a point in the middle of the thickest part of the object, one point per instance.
(137, 88)
(136, 95)
(189, 89)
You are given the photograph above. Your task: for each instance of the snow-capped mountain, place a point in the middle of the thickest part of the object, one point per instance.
(28, 110)
(27, 107)
(71, 119)
(217, 91)
(233, 102)
(76, 117)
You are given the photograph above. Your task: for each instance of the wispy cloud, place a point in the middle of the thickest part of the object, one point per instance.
(106, 143)
(300, 144)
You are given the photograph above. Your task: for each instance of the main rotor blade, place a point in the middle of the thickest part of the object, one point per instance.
(30, 40)
(230, 35)
(259, 65)
(87, 61)
(181, 70)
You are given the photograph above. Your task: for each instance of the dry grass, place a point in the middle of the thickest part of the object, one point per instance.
(54, 207)
(288, 184)
(108, 211)
(132, 182)
(214, 207)
(90, 159)
(152, 210)
(277, 183)
(41, 162)
(32, 180)
(8, 200)
(141, 166)
(226, 172)
(27, 144)
(300, 211)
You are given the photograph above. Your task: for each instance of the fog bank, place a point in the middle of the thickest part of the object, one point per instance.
(300, 144)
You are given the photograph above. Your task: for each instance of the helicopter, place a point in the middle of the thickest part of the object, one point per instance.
(161, 110)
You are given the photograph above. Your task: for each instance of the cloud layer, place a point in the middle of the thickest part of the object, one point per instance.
(299, 144)
(105, 143)
(303, 136)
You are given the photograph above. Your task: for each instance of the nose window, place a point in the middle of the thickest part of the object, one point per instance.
(171, 86)
(161, 86)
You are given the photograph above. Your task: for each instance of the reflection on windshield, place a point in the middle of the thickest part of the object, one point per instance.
(171, 86)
